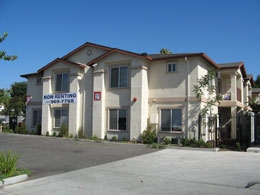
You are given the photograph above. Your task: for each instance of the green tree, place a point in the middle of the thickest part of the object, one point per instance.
(257, 82)
(18, 92)
(4, 99)
(205, 84)
(3, 54)
(255, 105)
(165, 51)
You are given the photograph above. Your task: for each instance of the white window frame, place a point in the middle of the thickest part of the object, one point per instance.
(117, 119)
(119, 78)
(61, 121)
(171, 126)
(171, 67)
(62, 88)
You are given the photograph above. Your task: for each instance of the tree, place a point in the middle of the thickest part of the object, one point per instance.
(206, 84)
(4, 99)
(18, 92)
(3, 54)
(255, 105)
(257, 82)
(165, 51)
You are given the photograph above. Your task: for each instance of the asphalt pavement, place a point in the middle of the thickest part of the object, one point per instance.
(46, 156)
(169, 171)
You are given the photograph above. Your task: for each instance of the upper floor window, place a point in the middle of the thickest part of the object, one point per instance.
(119, 77)
(171, 67)
(62, 82)
(39, 81)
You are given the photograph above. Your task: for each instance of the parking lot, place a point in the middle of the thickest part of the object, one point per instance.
(80, 167)
(46, 156)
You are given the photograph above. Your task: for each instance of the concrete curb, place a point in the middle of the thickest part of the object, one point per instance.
(13, 180)
(253, 149)
(194, 149)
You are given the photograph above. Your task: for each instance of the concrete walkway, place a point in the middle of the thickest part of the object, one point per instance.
(167, 171)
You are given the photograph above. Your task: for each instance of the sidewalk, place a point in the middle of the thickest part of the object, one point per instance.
(167, 171)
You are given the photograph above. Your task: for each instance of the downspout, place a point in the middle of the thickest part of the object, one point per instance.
(188, 95)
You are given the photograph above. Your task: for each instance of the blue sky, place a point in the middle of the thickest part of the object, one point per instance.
(42, 30)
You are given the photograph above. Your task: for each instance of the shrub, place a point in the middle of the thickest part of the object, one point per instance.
(148, 136)
(64, 132)
(238, 147)
(21, 129)
(167, 140)
(8, 162)
(81, 133)
(114, 138)
(47, 133)
(195, 143)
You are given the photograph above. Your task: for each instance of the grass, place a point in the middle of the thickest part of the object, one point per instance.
(8, 165)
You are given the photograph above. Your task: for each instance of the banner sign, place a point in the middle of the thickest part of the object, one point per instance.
(61, 98)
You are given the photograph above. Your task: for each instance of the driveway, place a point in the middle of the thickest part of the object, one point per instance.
(169, 171)
(46, 156)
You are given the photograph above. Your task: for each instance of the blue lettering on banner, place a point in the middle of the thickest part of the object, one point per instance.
(62, 98)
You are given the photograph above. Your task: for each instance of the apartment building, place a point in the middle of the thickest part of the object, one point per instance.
(111, 92)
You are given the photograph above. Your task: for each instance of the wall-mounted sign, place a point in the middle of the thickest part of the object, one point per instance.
(61, 98)
(97, 96)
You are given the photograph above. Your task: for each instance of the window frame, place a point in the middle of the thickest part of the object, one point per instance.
(61, 109)
(38, 81)
(119, 81)
(61, 90)
(171, 126)
(39, 118)
(117, 119)
(173, 67)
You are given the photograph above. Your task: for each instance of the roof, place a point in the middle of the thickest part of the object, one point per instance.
(115, 50)
(86, 45)
(156, 57)
(30, 74)
(255, 90)
(61, 60)
(40, 71)
(234, 65)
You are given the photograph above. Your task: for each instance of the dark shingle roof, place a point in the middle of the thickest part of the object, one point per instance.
(255, 90)
(231, 65)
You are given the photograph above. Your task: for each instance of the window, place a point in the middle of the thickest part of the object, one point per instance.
(171, 67)
(37, 118)
(39, 81)
(171, 120)
(119, 77)
(62, 82)
(117, 119)
(60, 117)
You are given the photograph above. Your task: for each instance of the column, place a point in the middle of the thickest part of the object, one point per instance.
(139, 108)
(98, 119)
(46, 112)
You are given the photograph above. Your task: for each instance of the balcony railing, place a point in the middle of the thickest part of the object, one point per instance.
(226, 96)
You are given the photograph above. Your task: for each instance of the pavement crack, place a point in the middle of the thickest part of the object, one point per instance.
(252, 183)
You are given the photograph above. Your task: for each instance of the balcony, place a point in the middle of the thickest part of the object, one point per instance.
(226, 96)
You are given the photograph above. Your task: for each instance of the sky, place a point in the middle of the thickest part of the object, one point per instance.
(39, 31)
